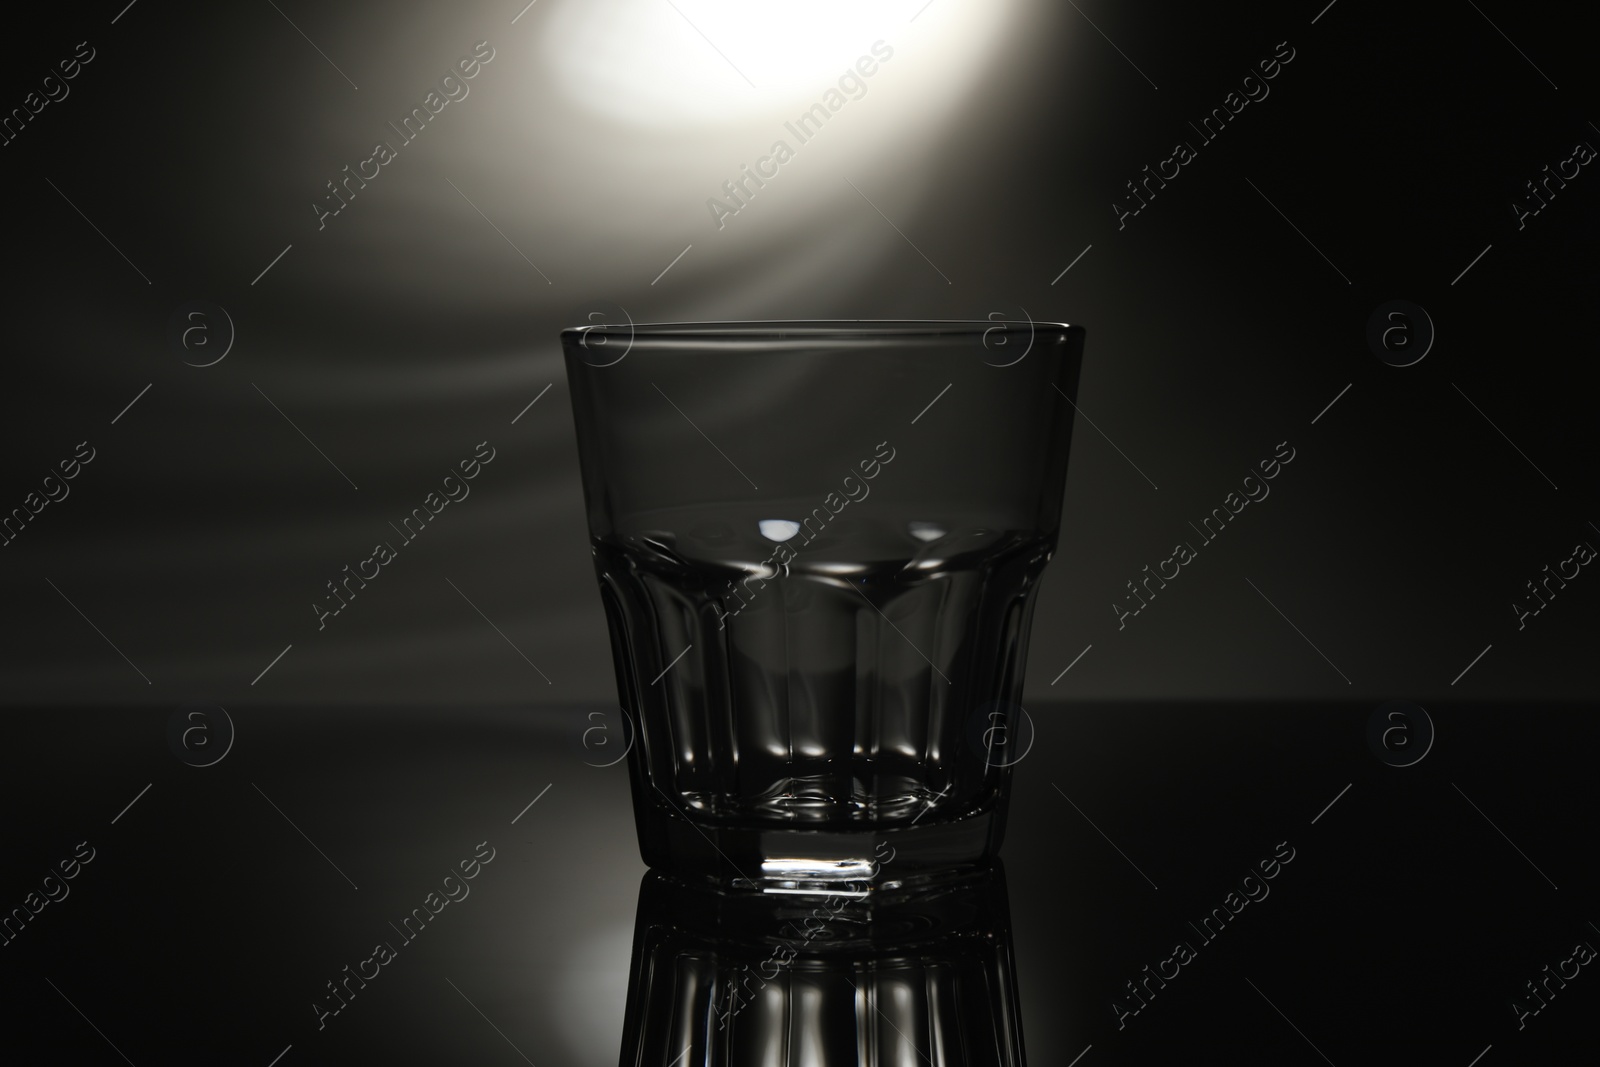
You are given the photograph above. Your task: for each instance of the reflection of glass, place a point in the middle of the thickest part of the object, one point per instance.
(907, 976)
(816, 544)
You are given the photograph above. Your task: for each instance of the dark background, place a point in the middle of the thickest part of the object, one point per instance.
(1218, 722)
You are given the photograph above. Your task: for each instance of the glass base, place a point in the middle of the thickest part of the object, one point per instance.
(839, 863)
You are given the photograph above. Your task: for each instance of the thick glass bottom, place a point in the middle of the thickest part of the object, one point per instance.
(840, 863)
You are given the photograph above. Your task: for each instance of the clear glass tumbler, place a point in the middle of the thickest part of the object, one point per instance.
(817, 544)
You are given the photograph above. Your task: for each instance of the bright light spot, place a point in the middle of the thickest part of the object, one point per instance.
(676, 62)
(778, 529)
(925, 531)
(839, 570)
(844, 870)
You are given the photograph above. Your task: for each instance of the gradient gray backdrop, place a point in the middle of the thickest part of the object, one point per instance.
(423, 319)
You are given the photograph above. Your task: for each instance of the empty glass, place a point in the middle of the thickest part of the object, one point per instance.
(816, 544)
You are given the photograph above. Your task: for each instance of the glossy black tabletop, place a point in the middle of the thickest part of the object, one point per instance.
(1335, 904)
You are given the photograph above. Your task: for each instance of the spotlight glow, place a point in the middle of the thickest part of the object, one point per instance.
(691, 62)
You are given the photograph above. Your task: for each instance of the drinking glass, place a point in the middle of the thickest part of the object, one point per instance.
(817, 545)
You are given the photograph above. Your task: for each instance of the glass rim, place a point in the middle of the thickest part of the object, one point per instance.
(776, 329)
